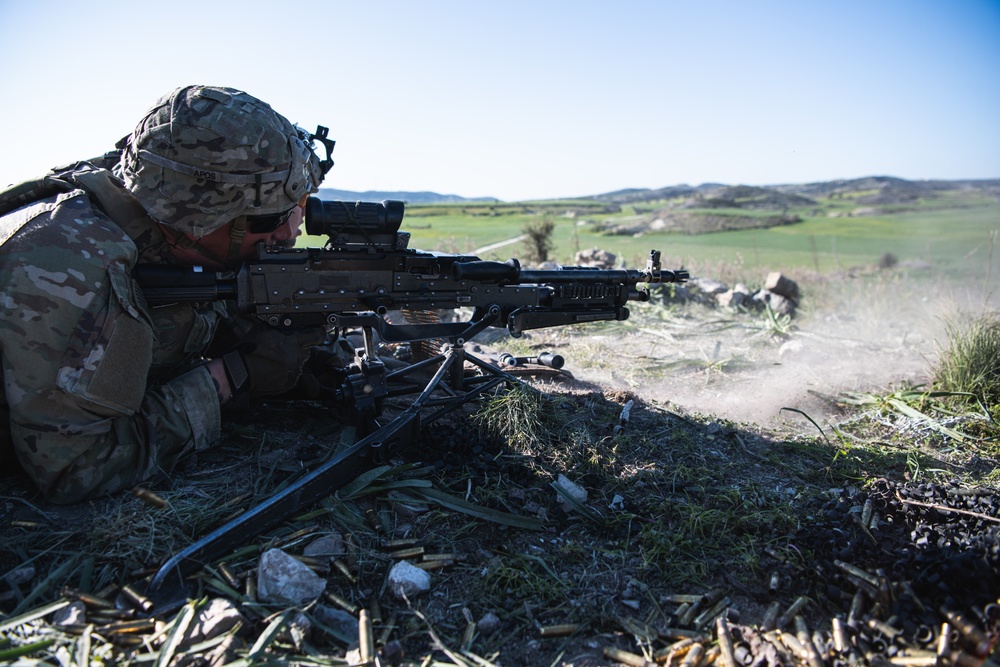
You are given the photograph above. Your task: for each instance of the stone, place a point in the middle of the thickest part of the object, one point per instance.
(286, 580)
(574, 490)
(217, 617)
(74, 614)
(595, 257)
(489, 623)
(328, 545)
(407, 580)
(781, 285)
(343, 625)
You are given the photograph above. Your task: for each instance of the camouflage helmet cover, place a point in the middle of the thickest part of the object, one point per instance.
(203, 156)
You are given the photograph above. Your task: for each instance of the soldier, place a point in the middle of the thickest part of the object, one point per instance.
(99, 391)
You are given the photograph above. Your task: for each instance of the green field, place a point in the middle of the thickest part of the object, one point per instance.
(954, 233)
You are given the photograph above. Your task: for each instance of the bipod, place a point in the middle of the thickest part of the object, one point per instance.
(167, 589)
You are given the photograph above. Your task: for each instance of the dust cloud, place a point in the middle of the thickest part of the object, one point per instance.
(874, 335)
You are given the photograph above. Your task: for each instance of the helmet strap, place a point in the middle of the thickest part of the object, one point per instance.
(236, 235)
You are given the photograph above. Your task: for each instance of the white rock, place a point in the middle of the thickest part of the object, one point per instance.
(573, 489)
(408, 580)
(284, 579)
(489, 623)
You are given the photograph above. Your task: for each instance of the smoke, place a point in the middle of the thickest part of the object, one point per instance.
(873, 334)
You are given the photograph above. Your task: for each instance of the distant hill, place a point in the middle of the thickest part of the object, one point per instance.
(870, 190)
(408, 197)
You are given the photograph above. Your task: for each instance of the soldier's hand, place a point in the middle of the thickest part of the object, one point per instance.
(273, 358)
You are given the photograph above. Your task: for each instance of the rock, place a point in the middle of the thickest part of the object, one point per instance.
(708, 286)
(730, 299)
(328, 545)
(489, 623)
(779, 284)
(286, 580)
(297, 630)
(406, 580)
(790, 348)
(74, 614)
(20, 575)
(575, 491)
(217, 617)
(342, 624)
(781, 305)
(595, 257)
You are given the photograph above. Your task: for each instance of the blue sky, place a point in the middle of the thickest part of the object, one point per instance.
(522, 100)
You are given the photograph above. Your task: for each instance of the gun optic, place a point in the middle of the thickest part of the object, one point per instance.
(353, 222)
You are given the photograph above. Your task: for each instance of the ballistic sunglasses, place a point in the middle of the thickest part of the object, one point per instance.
(265, 224)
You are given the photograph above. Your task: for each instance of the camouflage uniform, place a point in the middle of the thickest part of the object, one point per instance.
(101, 392)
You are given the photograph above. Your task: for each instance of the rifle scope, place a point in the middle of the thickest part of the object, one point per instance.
(336, 218)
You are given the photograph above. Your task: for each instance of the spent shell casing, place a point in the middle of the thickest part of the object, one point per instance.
(366, 638)
(710, 656)
(428, 557)
(693, 656)
(866, 512)
(681, 599)
(624, 657)
(400, 543)
(770, 619)
(886, 630)
(914, 660)
(775, 582)
(429, 565)
(136, 598)
(708, 616)
(676, 649)
(856, 609)
(682, 633)
(228, 575)
(128, 627)
(150, 498)
(840, 641)
(964, 659)
(974, 637)
(792, 611)
(562, 630)
(403, 554)
(341, 567)
(250, 590)
(375, 609)
(88, 599)
(805, 638)
(725, 643)
(858, 573)
(346, 605)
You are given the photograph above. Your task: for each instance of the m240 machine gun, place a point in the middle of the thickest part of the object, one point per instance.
(364, 272)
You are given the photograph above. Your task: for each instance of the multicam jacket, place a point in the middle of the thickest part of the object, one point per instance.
(99, 392)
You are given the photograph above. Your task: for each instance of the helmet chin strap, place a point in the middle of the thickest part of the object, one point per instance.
(236, 235)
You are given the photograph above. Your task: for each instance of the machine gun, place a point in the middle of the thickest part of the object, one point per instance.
(364, 272)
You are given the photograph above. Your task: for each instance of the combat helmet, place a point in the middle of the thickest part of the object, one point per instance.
(203, 156)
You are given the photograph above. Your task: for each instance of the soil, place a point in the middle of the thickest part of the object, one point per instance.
(700, 439)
